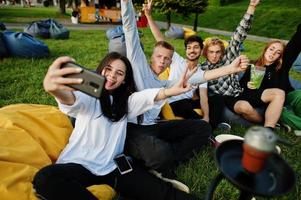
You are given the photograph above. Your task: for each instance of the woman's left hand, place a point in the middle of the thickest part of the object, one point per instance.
(250, 85)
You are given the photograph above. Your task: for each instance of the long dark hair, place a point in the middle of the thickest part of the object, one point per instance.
(119, 107)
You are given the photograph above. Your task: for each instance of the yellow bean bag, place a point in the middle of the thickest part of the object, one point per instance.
(31, 137)
(188, 32)
(166, 110)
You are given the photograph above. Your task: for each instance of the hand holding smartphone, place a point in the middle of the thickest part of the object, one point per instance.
(92, 83)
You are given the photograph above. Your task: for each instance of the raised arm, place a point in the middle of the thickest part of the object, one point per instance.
(55, 84)
(241, 32)
(291, 52)
(134, 50)
(147, 8)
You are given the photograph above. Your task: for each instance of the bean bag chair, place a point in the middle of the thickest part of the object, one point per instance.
(175, 33)
(31, 137)
(38, 29)
(118, 45)
(23, 45)
(295, 83)
(297, 64)
(188, 32)
(3, 48)
(47, 29)
(117, 40)
(57, 30)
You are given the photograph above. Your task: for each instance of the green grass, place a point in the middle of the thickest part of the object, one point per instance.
(21, 79)
(28, 14)
(21, 82)
(273, 18)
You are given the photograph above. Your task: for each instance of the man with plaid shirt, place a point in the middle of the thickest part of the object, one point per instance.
(217, 55)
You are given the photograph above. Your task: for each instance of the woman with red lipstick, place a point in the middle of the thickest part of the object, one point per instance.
(99, 135)
(268, 95)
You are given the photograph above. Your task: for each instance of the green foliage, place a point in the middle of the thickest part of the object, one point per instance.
(29, 14)
(273, 18)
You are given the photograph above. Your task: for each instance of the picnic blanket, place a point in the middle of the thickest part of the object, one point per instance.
(31, 137)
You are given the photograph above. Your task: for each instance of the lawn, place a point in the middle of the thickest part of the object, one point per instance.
(21, 82)
(21, 79)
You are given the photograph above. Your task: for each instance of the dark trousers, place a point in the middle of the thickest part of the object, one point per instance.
(69, 181)
(163, 145)
(184, 108)
(216, 108)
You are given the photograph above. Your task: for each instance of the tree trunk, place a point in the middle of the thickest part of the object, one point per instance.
(195, 25)
(62, 8)
(168, 17)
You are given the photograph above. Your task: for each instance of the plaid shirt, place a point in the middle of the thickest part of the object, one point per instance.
(229, 85)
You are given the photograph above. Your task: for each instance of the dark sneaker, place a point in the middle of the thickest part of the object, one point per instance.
(225, 127)
(176, 184)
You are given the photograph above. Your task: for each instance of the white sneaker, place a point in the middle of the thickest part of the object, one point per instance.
(176, 184)
(297, 132)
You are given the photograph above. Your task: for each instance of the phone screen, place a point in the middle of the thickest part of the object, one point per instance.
(123, 164)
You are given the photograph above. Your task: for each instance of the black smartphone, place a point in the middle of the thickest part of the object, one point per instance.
(123, 164)
(92, 83)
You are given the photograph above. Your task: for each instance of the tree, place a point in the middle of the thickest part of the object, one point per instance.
(167, 7)
(197, 7)
(184, 7)
(62, 8)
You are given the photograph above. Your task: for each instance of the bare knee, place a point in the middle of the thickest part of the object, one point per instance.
(273, 94)
(243, 107)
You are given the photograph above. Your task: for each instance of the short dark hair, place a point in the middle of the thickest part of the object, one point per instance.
(194, 38)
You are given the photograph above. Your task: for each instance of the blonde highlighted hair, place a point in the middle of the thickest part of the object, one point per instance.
(212, 42)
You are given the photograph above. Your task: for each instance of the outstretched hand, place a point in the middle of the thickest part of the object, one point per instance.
(147, 8)
(182, 85)
(240, 64)
(254, 2)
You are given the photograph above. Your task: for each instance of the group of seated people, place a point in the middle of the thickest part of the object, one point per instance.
(124, 120)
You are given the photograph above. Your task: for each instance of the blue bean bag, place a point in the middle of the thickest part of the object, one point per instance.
(23, 45)
(48, 28)
(175, 32)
